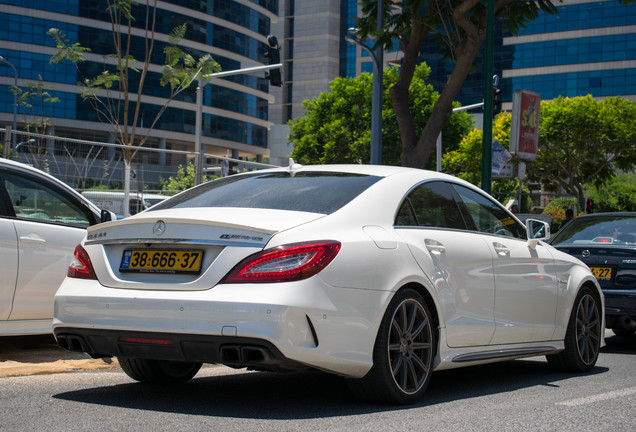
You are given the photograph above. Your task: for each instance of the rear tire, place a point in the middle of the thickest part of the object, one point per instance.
(158, 371)
(583, 336)
(403, 353)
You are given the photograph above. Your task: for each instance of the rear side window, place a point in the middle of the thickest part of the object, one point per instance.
(32, 200)
(430, 205)
(488, 216)
(315, 192)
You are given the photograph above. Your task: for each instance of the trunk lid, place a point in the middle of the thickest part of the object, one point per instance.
(219, 237)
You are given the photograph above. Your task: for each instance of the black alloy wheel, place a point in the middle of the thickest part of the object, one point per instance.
(403, 353)
(583, 336)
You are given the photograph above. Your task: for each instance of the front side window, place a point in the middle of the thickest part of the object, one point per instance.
(430, 205)
(311, 191)
(39, 202)
(488, 216)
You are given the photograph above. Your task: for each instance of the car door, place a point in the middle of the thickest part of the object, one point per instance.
(47, 225)
(8, 255)
(526, 288)
(458, 262)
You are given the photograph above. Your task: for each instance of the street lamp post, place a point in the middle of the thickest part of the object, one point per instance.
(376, 96)
(199, 148)
(15, 100)
(27, 142)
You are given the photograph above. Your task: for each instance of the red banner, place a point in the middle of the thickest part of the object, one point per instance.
(524, 130)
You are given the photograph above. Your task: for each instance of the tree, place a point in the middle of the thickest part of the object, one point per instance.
(183, 180)
(111, 92)
(335, 127)
(32, 100)
(581, 141)
(619, 194)
(465, 161)
(459, 27)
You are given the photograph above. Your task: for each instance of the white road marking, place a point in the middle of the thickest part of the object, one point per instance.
(599, 397)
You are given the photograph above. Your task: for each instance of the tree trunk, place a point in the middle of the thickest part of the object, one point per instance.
(126, 209)
(418, 155)
(400, 90)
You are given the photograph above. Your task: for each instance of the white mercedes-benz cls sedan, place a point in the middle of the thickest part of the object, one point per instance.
(379, 274)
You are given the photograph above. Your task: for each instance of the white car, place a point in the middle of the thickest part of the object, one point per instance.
(41, 222)
(114, 201)
(379, 274)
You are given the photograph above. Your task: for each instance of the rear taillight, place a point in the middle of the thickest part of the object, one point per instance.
(81, 267)
(285, 263)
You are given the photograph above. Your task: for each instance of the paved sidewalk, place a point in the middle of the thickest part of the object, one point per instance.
(36, 355)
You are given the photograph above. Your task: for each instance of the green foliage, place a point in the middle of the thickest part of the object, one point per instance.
(581, 141)
(618, 195)
(556, 210)
(442, 19)
(336, 125)
(465, 162)
(183, 180)
(458, 27)
(33, 99)
(66, 51)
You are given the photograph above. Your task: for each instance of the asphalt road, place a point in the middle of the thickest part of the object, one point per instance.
(521, 395)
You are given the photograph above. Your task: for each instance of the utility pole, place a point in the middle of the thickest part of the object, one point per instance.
(486, 151)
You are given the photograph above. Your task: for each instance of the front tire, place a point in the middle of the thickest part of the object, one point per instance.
(403, 353)
(583, 336)
(158, 371)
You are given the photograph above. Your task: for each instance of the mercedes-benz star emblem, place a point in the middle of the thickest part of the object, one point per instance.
(585, 253)
(159, 228)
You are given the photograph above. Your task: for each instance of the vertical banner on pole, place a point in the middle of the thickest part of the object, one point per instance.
(524, 129)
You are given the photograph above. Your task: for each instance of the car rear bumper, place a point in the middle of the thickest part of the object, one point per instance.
(285, 325)
(620, 309)
(227, 350)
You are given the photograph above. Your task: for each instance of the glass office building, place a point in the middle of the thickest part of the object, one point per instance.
(235, 111)
(588, 48)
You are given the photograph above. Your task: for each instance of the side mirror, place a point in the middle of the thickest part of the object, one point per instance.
(537, 230)
(107, 216)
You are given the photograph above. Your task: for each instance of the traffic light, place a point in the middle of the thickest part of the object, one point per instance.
(589, 206)
(273, 56)
(496, 101)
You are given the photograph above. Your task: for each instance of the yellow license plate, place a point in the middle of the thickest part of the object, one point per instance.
(161, 261)
(602, 273)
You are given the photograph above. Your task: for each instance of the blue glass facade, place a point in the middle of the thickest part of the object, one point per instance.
(594, 60)
(348, 14)
(23, 29)
(592, 56)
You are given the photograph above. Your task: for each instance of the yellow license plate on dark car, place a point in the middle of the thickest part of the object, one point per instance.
(161, 261)
(602, 273)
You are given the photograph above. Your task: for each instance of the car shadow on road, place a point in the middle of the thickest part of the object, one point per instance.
(306, 395)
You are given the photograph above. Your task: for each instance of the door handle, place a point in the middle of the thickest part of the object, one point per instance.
(434, 246)
(502, 250)
(32, 240)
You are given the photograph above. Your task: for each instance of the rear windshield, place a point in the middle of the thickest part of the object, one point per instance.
(610, 229)
(315, 192)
